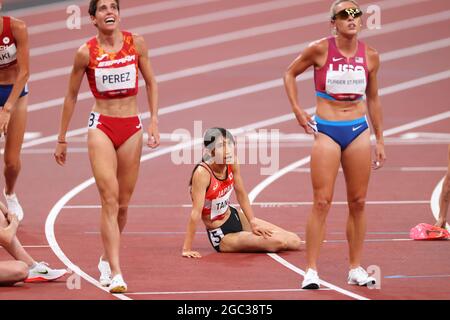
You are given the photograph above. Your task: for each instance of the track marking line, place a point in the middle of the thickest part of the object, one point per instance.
(417, 277)
(221, 38)
(219, 292)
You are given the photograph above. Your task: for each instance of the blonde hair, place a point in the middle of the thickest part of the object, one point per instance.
(338, 2)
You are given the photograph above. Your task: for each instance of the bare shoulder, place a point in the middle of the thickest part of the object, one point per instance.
(319, 47)
(200, 177)
(18, 25)
(373, 58)
(82, 55)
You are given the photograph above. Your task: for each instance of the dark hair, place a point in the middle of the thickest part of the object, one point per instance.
(209, 142)
(93, 6)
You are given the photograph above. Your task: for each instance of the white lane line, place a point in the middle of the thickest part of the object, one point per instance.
(385, 168)
(434, 202)
(218, 291)
(299, 271)
(155, 52)
(260, 204)
(124, 13)
(269, 180)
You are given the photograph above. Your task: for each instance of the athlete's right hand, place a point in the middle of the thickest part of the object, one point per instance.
(60, 153)
(190, 254)
(4, 121)
(305, 120)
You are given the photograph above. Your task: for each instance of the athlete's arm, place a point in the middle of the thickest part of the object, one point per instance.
(9, 224)
(200, 182)
(20, 33)
(152, 90)
(444, 198)
(374, 107)
(306, 59)
(78, 70)
(244, 202)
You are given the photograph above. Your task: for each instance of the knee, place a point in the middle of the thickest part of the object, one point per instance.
(277, 244)
(12, 164)
(21, 272)
(110, 202)
(322, 206)
(357, 204)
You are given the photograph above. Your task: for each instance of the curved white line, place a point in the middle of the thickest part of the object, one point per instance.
(434, 202)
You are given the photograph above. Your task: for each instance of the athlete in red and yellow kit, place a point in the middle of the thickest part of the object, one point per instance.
(111, 61)
(229, 229)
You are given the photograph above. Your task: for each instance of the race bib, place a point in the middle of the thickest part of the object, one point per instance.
(112, 79)
(346, 82)
(220, 205)
(216, 236)
(8, 54)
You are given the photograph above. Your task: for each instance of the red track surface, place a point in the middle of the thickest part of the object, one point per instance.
(152, 242)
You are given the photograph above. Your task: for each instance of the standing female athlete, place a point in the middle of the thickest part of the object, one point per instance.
(14, 73)
(111, 61)
(345, 70)
(229, 230)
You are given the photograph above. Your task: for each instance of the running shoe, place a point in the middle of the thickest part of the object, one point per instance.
(13, 205)
(311, 280)
(41, 272)
(105, 273)
(117, 285)
(360, 277)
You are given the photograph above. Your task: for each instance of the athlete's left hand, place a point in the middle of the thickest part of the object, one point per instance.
(4, 121)
(153, 134)
(260, 230)
(380, 156)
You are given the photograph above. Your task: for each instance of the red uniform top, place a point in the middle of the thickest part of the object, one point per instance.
(218, 194)
(8, 49)
(113, 75)
(341, 78)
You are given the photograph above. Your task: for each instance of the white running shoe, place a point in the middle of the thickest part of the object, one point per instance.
(311, 280)
(118, 285)
(360, 277)
(13, 204)
(41, 272)
(105, 273)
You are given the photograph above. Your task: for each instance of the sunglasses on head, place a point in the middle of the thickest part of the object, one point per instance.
(344, 14)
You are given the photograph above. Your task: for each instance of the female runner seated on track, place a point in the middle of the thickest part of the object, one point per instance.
(24, 267)
(229, 229)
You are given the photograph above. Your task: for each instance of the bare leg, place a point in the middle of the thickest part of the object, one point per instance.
(356, 162)
(292, 241)
(325, 161)
(103, 160)
(12, 272)
(14, 139)
(444, 198)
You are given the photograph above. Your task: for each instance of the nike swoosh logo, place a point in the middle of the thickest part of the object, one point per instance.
(139, 126)
(102, 57)
(337, 59)
(42, 272)
(354, 129)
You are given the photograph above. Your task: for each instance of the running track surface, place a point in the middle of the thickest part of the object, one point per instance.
(218, 51)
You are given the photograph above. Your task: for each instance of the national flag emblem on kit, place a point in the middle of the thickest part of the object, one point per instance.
(359, 60)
